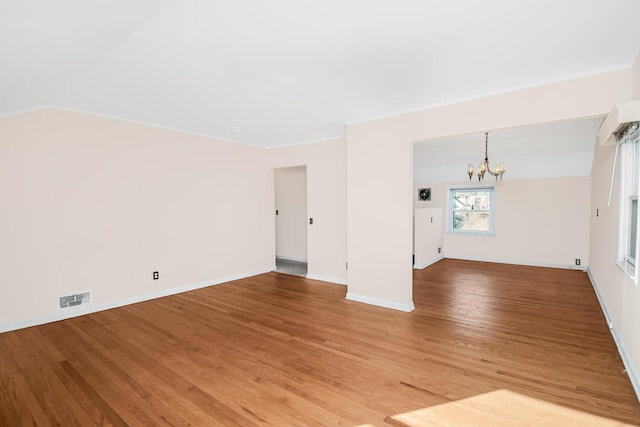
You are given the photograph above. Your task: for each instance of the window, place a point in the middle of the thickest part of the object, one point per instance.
(471, 210)
(629, 176)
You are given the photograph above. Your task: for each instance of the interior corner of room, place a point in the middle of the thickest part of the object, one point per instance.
(102, 210)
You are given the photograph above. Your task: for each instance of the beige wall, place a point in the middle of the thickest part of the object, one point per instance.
(327, 203)
(618, 293)
(379, 165)
(90, 203)
(543, 221)
(95, 204)
(291, 204)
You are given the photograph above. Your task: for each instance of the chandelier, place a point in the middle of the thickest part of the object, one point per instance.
(484, 165)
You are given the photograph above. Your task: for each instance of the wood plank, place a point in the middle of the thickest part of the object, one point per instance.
(281, 350)
(95, 406)
(500, 408)
(24, 402)
(10, 415)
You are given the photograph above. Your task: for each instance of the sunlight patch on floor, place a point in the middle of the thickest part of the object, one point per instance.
(499, 408)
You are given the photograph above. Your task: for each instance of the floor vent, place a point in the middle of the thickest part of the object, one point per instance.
(75, 300)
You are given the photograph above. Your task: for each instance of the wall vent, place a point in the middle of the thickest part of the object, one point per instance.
(75, 300)
(424, 194)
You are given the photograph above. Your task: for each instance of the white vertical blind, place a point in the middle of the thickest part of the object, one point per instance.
(628, 241)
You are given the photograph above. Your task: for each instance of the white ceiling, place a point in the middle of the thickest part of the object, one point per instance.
(291, 71)
(539, 151)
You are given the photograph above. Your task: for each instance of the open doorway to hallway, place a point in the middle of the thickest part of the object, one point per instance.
(291, 220)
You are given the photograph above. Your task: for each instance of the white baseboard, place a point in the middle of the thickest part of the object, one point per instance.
(380, 302)
(626, 361)
(93, 308)
(327, 279)
(428, 263)
(532, 264)
(287, 258)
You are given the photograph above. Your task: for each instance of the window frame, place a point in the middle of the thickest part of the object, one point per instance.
(492, 209)
(628, 190)
(632, 226)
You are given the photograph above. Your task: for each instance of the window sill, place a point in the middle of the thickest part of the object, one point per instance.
(627, 268)
(471, 233)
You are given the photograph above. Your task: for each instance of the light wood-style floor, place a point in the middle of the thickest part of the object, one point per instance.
(282, 350)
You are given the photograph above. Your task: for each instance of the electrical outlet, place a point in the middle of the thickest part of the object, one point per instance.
(577, 261)
(439, 250)
(156, 275)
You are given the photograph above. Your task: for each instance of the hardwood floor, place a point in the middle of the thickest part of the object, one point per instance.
(282, 350)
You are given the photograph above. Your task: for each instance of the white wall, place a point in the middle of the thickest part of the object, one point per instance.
(97, 204)
(291, 204)
(548, 150)
(90, 203)
(618, 293)
(428, 233)
(327, 203)
(635, 71)
(379, 165)
(543, 221)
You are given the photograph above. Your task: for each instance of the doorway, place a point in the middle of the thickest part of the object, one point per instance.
(291, 220)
